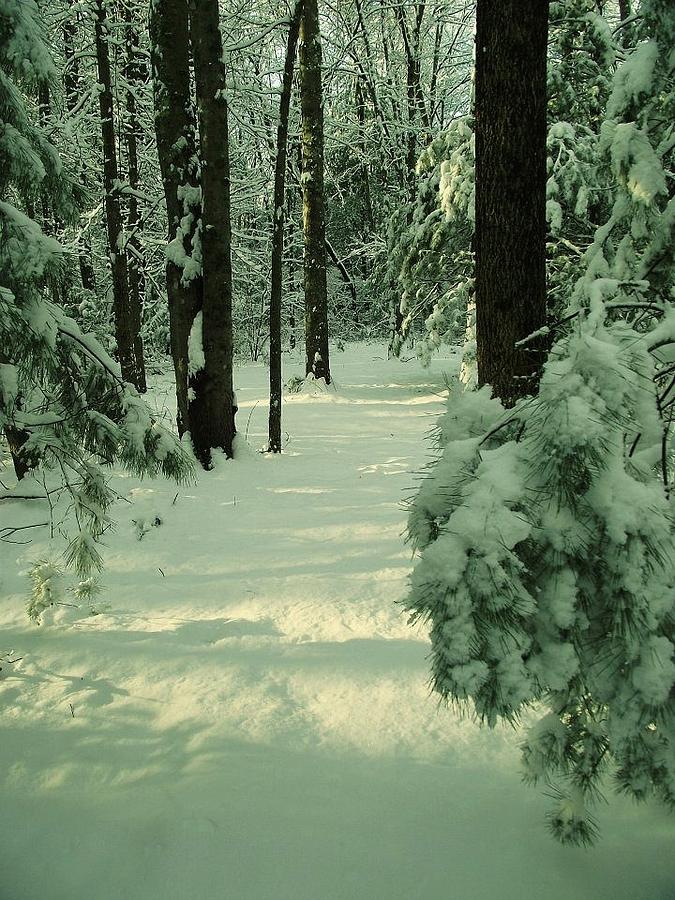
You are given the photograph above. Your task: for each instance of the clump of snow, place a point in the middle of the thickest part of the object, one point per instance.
(196, 358)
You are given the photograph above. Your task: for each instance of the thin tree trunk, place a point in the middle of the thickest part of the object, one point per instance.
(274, 445)
(134, 70)
(415, 100)
(292, 339)
(175, 127)
(365, 177)
(71, 85)
(316, 293)
(510, 239)
(346, 277)
(124, 331)
(212, 411)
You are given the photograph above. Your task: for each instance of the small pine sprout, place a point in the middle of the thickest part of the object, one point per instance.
(45, 577)
(86, 592)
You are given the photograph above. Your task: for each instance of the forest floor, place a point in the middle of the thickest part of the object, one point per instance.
(250, 719)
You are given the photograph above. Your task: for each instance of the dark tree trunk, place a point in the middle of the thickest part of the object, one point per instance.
(134, 72)
(71, 86)
(292, 324)
(23, 461)
(124, 326)
(369, 219)
(510, 240)
(415, 100)
(212, 411)
(175, 127)
(274, 445)
(316, 294)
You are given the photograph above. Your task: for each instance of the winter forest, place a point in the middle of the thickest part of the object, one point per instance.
(337, 387)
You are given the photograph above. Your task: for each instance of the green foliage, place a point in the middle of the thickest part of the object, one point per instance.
(62, 398)
(546, 533)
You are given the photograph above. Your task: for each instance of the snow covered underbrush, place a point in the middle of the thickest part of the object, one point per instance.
(248, 715)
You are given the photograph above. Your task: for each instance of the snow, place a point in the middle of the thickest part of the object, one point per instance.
(196, 358)
(250, 718)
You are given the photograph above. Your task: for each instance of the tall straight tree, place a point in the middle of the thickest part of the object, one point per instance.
(125, 320)
(212, 416)
(510, 238)
(313, 215)
(175, 127)
(72, 89)
(135, 73)
(278, 220)
(196, 181)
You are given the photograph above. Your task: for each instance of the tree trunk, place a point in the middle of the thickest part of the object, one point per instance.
(510, 240)
(71, 86)
(212, 411)
(316, 294)
(369, 219)
(134, 72)
(274, 445)
(175, 127)
(124, 330)
(415, 100)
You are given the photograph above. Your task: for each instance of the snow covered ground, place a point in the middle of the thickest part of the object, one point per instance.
(251, 719)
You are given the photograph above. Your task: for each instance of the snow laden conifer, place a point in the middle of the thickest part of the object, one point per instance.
(430, 261)
(64, 409)
(547, 565)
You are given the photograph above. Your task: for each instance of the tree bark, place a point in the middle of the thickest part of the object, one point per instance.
(510, 239)
(124, 328)
(213, 409)
(316, 294)
(175, 127)
(274, 445)
(134, 72)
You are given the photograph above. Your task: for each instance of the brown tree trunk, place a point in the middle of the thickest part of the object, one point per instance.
(212, 411)
(134, 72)
(510, 239)
(316, 293)
(124, 330)
(175, 127)
(274, 445)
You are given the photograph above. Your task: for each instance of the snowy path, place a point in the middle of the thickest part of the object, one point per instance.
(251, 719)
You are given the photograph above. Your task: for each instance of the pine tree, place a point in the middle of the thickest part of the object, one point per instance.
(59, 390)
(547, 568)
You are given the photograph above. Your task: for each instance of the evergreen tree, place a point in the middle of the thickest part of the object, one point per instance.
(547, 569)
(61, 394)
